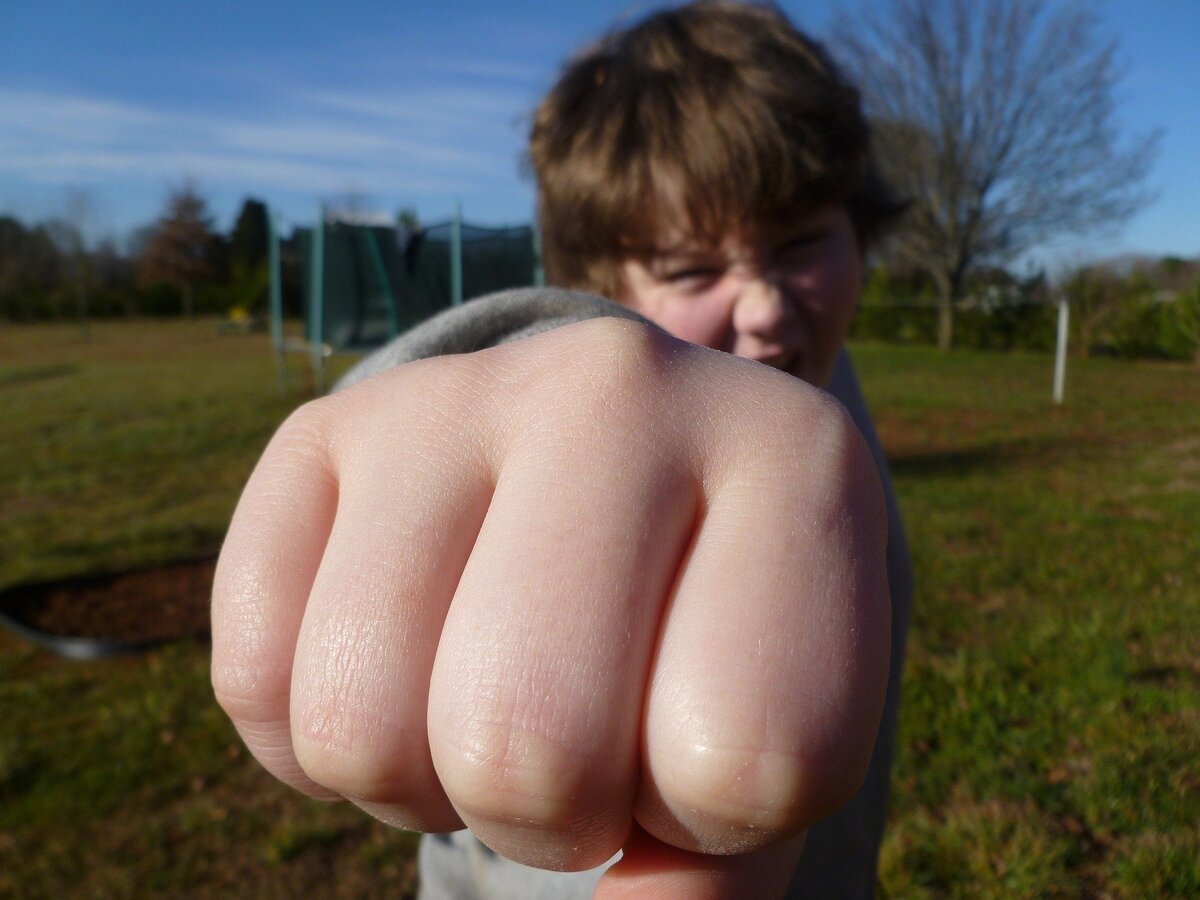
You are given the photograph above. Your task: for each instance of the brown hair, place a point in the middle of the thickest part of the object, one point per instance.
(708, 114)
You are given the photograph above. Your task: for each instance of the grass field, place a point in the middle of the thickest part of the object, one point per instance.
(1050, 735)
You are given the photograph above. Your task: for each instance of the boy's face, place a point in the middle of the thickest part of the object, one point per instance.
(785, 298)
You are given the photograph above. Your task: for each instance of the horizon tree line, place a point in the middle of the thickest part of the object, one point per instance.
(183, 265)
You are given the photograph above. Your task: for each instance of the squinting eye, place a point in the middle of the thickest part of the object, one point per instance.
(693, 280)
(800, 245)
(689, 274)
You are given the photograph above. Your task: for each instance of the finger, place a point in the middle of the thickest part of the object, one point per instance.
(770, 672)
(651, 870)
(537, 691)
(413, 495)
(263, 578)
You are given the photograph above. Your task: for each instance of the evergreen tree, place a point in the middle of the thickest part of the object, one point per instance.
(181, 248)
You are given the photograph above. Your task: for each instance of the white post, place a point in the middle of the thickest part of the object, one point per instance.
(1060, 354)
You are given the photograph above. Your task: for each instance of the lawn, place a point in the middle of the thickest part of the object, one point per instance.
(1051, 726)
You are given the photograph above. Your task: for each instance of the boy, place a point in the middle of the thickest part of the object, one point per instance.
(596, 588)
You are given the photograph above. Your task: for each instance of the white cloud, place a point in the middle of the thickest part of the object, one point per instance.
(465, 108)
(323, 140)
(67, 138)
(215, 168)
(413, 137)
(36, 115)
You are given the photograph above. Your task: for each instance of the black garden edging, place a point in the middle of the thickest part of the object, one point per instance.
(99, 616)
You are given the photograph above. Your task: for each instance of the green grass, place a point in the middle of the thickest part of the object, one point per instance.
(1051, 722)
(122, 777)
(1050, 739)
(130, 447)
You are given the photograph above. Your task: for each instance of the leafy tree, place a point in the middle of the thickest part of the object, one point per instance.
(13, 240)
(1185, 320)
(1095, 294)
(31, 268)
(1175, 274)
(113, 277)
(996, 118)
(182, 248)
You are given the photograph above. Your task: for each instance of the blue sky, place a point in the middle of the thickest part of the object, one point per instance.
(401, 104)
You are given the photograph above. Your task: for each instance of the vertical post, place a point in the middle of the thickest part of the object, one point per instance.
(1060, 353)
(385, 284)
(456, 258)
(275, 294)
(316, 301)
(539, 271)
(274, 283)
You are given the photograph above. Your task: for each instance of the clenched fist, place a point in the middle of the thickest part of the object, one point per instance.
(594, 590)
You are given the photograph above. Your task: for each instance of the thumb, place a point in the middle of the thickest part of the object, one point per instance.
(652, 870)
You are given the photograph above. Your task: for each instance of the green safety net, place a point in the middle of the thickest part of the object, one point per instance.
(378, 282)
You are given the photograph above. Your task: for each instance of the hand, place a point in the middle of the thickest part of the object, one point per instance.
(597, 589)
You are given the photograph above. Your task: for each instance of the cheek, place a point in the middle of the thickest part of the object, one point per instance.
(703, 319)
(829, 292)
(844, 289)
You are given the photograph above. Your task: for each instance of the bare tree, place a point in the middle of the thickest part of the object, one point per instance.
(180, 248)
(996, 118)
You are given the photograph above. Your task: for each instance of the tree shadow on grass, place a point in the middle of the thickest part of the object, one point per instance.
(991, 456)
(30, 374)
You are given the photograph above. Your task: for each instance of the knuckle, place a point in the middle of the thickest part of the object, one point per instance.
(826, 426)
(854, 486)
(619, 340)
(302, 444)
(734, 799)
(509, 776)
(343, 753)
(249, 694)
(837, 435)
(819, 441)
(612, 371)
(742, 789)
(308, 424)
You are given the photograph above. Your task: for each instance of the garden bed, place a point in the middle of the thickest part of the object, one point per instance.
(102, 615)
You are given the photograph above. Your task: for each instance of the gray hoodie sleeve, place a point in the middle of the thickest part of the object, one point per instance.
(487, 322)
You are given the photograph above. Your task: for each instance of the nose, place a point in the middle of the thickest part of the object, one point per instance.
(762, 311)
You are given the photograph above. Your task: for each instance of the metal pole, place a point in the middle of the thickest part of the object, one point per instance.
(385, 284)
(456, 262)
(539, 271)
(316, 301)
(1060, 353)
(275, 286)
(275, 294)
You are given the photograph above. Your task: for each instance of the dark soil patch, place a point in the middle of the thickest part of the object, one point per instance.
(144, 606)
